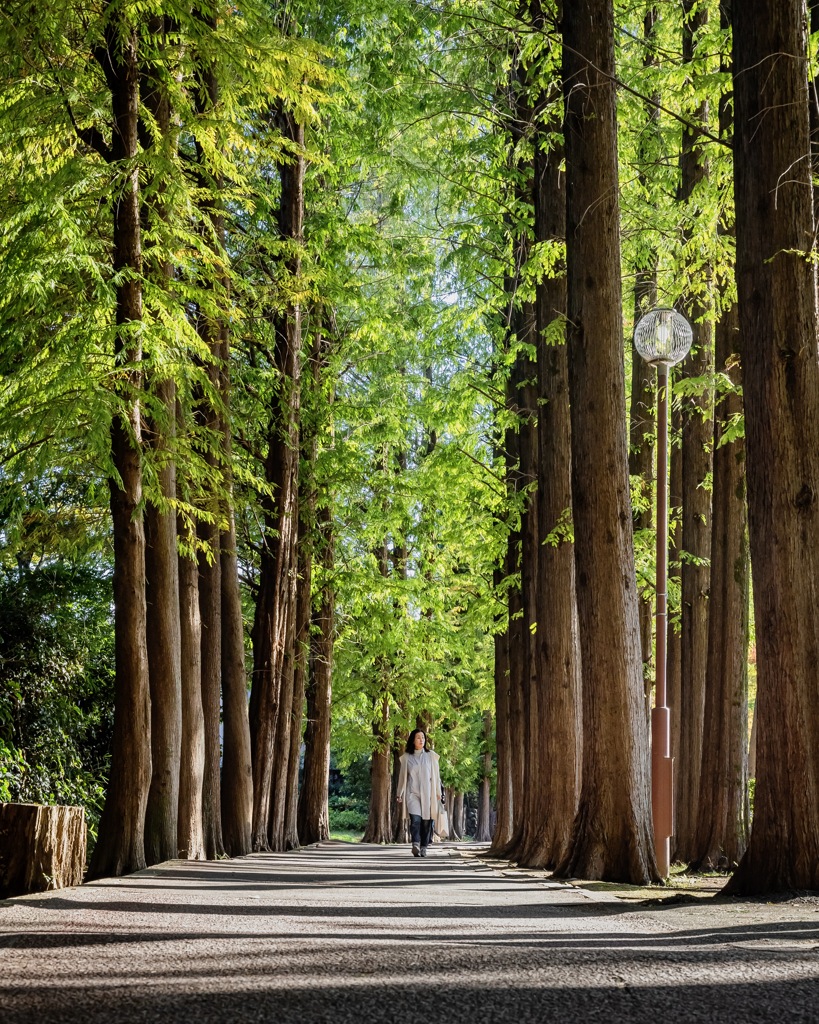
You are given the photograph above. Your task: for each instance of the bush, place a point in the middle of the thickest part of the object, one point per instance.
(56, 685)
(350, 821)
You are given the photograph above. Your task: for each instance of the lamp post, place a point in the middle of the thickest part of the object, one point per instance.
(662, 337)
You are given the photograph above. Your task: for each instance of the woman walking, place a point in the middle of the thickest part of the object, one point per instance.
(419, 791)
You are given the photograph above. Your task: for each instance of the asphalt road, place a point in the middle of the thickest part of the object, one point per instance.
(367, 934)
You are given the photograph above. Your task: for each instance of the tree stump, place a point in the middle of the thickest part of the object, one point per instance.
(40, 848)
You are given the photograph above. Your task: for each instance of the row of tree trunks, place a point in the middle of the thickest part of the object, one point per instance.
(176, 669)
(175, 785)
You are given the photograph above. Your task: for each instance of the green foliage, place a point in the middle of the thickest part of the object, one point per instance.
(56, 684)
(409, 271)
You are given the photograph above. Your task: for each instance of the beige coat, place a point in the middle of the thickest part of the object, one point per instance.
(431, 806)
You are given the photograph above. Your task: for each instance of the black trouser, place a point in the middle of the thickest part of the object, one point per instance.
(420, 830)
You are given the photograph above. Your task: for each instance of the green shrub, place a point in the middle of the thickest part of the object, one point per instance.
(348, 820)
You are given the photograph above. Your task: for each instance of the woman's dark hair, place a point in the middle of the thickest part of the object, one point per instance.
(411, 740)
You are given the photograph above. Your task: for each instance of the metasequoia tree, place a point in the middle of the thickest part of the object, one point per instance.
(776, 288)
(697, 435)
(273, 629)
(612, 835)
(553, 782)
(161, 561)
(212, 330)
(120, 844)
(723, 815)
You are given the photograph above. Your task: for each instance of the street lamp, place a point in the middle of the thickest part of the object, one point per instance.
(662, 337)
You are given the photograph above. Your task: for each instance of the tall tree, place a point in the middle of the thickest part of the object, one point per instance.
(273, 626)
(553, 784)
(697, 437)
(723, 816)
(120, 843)
(612, 835)
(777, 309)
(212, 329)
(161, 562)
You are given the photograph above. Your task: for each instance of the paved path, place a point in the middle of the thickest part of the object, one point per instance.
(367, 934)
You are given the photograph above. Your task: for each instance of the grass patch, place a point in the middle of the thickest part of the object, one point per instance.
(346, 835)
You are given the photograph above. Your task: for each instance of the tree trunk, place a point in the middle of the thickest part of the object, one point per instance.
(237, 775)
(273, 626)
(161, 569)
(164, 659)
(527, 665)
(378, 828)
(458, 829)
(120, 845)
(291, 810)
(237, 772)
(302, 652)
(516, 664)
(777, 310)
(555, 728)
(211, 332)
(314, 818)
(41, 848)
(483, 831)
(284, 725)
(723, 820)
(522, 471)
(210, 617)
(697, 437)
(503, 738)
(612, 836)
(813, 8)
(399, 821)
(190, 832)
